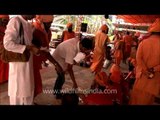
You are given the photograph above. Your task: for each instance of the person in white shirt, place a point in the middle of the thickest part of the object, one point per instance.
(64, 54)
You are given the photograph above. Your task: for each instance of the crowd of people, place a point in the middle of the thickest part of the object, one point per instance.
(139, 86)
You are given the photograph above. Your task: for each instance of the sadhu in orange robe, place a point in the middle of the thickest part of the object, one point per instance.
(148, 56)
(42, 39)
(68, 34)
(127, 45)
(101, 39)
(118, 54)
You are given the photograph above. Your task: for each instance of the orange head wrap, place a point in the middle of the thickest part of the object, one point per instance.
(115, 73)
(104, 27)
(45, 18)
(155, 27)
(69, 25)
(4, 16)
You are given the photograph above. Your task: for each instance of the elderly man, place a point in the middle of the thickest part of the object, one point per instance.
(147, 84)
(21, 79)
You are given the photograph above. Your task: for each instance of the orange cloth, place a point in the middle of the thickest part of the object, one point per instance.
(118, 54)
(104, 27)
(137, 34)
(41, 33)
(68, 35)
(37, 61)
(69, 25)
(155, 27)
(99, 51)
(128, 43)
(38, 24)
(45, 18)
(106, 97)
(101, 78)
(4, 72)
(147, 57)
(4, 16)
(139, 97)
(4, 67)
(44, 38)
(99, 99)
(115, 73)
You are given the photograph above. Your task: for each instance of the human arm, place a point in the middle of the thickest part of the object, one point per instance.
(12, 38)
(155, 69)
(71, 73)
(52, 60)
(33, 49)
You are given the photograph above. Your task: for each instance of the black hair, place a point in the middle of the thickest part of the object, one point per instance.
(47, 25)
(87, 43)
(70, 30)
(109, 47)
(128, 32)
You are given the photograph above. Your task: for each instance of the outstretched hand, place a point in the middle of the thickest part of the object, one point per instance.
(58, 68)
(33, 49)
(75, 86)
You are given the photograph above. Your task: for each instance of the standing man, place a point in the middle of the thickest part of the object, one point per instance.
(21, 79)
(3, 66)
(118, 49)
(69, 33)
(101, 40)
(64, 54)
(41, 39)
(147, 84)
(127, 46)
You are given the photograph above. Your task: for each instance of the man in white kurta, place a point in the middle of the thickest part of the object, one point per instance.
(21, 80)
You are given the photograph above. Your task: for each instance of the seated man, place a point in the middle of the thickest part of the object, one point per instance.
(106, 92)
